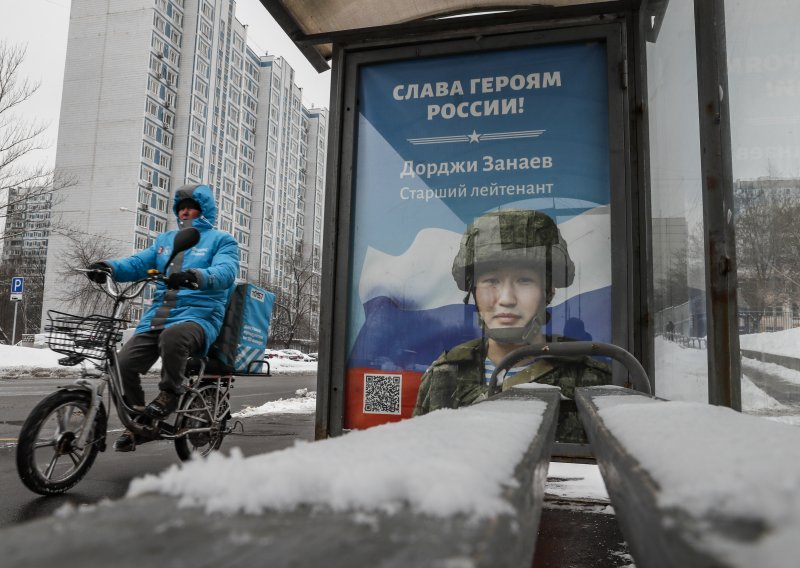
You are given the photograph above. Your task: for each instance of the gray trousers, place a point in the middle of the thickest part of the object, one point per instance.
(174, 345)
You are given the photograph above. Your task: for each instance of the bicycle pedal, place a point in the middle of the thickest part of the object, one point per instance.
(165, 428)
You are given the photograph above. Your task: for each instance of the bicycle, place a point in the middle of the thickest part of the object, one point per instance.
(63, 434)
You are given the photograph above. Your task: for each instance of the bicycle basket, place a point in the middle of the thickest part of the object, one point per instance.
(82, 336)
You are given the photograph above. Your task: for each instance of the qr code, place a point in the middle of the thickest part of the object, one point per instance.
(382, 393)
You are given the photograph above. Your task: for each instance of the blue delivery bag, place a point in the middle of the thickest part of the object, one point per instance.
(243, 336)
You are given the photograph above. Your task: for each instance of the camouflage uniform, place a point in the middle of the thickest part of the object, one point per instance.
(456, 379)
(517, 238)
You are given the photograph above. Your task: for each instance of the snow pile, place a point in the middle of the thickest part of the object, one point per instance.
(289, 367)
(31, 357)
(18, 361)
(304, 402)
(712, 463)
(682, 374)
(444, 463)
(776, 343)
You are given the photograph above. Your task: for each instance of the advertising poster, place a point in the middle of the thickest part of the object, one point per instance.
(442, 141)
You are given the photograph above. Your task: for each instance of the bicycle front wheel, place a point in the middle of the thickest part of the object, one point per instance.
(48, 459)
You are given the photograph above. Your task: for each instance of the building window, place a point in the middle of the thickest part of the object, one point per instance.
(151, 107)
(150, 130)
(196, 148)
(204, 48)
(199, 106)
(148, 152)
(157, 44)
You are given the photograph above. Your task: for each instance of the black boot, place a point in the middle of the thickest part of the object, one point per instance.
(126, 442)
(162, 406)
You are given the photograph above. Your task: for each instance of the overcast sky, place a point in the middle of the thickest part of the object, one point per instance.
(43, 26)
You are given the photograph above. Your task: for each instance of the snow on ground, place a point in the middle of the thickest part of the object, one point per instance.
(289, 367)
(304, 402)
(576, 481)
(28, 357)
(682, 374)
(753, 478)
(784, 373)
(416, 462)
(17, 362)
(786, 342)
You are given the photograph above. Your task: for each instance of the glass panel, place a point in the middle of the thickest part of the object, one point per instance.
(481, 223)
(764, 84)
(681, 363)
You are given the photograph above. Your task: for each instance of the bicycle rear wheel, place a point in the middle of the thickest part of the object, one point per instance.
(209, 407)
(48, 460)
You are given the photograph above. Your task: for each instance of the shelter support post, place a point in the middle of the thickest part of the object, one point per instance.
(724, 387)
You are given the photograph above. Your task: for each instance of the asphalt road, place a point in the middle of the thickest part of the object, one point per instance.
(113, 471)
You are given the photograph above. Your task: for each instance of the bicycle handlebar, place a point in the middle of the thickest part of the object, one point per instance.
(133, 290)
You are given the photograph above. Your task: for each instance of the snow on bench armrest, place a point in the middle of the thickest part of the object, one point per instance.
(694, 484)
(454, 487)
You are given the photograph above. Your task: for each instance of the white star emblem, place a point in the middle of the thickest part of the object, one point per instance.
(474, 137)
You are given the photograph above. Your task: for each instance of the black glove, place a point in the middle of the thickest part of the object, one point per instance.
(182, 279)
(102, 271)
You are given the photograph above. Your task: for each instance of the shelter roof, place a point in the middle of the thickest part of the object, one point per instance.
(315, 25)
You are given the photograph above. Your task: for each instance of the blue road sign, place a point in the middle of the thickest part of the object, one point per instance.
(17, 283)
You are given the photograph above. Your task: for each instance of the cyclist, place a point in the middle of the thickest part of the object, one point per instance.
(510, 262)
(188, 307)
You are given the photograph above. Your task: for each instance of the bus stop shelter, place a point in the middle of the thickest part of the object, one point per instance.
(639, 179)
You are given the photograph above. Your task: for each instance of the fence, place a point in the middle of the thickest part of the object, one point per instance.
(760, 321)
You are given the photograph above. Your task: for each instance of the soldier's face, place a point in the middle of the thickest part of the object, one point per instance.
(509, 297)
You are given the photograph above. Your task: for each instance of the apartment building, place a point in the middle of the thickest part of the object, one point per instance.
(160, 93)
(26, 225)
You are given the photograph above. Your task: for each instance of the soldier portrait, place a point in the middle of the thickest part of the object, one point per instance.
(509, 264)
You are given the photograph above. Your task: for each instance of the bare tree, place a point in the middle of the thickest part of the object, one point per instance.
(296, 299)
(30, 307)
(767, 247)
(20, 139)
(76, 290)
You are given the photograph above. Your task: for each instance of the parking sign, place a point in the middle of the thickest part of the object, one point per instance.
(17, 284)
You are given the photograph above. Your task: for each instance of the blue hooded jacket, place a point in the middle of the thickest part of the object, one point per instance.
(214, 260)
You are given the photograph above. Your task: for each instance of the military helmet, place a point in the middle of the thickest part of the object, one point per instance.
(523, 237)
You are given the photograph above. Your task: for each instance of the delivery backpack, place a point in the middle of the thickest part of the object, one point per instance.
(243, 336)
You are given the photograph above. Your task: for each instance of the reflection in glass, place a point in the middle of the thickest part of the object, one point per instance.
(764, 83)
(681, 363)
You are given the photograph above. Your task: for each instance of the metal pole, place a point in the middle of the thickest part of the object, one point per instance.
(724, 380)
(14, 328)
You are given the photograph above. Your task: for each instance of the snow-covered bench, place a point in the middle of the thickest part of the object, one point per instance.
(452, 488)
(694, 484)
